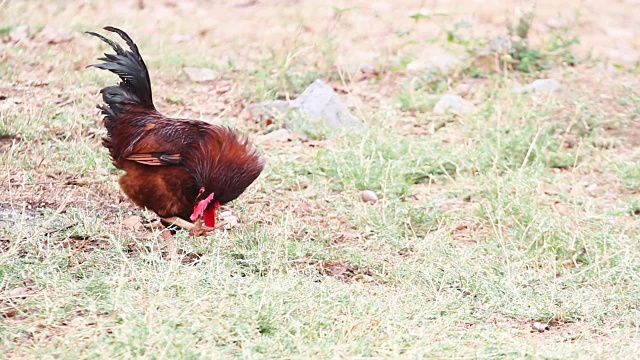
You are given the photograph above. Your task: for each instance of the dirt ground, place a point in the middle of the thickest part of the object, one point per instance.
(466, 256)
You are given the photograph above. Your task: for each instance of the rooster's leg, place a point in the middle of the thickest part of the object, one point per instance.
(196, 229)
(171, 245)
(178, 221)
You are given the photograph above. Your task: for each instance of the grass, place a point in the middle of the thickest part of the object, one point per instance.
(523, 211)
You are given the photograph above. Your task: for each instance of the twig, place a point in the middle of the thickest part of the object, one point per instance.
(66, 183)
(531, 146)
(37, 183)
(58, 211)
(60, 229)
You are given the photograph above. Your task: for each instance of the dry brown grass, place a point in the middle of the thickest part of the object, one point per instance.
(524, 212)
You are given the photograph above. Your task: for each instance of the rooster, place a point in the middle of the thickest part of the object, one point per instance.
(180, 169)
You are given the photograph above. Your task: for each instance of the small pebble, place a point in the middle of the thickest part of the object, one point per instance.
(196, 74)
(280, 135)
(132, 222)
(540, 327)
(452, 102)
(369, 196)
(231, 222)
(541, 86)
(18, 292)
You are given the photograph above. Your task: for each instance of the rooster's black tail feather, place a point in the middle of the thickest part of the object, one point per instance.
(135, 88)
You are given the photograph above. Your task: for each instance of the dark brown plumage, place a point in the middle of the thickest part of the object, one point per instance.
(174, 167)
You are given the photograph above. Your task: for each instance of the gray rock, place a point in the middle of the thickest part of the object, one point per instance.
(53, 36)
(178, 38)
(498, 44)
(555, 23)
(623, 56)
(487, 58)
(444, 61)
(367, 69)
(438, 60)
(463, 89)
(620, 33)
(200, 74)
(541, 86)
(453, 103)
(280, 135)
(264, 110)
(415, 66)
(316, 110)
(19, 33)
(320, 102)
